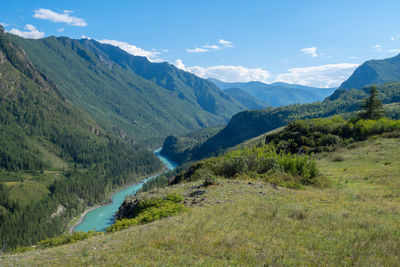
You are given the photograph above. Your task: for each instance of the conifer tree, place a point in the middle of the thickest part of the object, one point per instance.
(372, 107)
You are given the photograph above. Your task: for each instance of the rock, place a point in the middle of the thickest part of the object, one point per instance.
(197, 193)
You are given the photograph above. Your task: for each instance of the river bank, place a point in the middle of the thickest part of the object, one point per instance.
(101, 216)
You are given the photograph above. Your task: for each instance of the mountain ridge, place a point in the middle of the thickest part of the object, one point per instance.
(279, 93)
(376, 71)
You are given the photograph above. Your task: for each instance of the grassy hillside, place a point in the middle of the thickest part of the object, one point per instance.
(124, 100)
(374, 72)
(248, 124)
(354, 221)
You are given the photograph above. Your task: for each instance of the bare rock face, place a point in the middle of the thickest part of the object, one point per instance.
(128, 208)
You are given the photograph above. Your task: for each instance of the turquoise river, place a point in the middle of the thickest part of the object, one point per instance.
(100, 218)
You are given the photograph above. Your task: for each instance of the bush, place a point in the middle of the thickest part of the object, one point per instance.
(150, 210)
(210, 180)
(67, 238)
(260, 162)
(317, 135)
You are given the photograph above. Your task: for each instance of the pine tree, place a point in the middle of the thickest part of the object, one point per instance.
(372, 107)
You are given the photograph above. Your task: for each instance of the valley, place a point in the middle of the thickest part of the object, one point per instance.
(215, 133)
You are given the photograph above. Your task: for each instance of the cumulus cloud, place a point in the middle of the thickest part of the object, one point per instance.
(225, 43)
(394, 50)
(65, 17)
(60, 29)
(227, 73)
(179, 64)
(311, 51)
(133, 50)
(330, 75)
(32, 32)
(197, 50)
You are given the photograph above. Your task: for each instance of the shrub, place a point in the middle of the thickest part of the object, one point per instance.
(67, 238)
(210, 180)
(175, 197)
(150, 210)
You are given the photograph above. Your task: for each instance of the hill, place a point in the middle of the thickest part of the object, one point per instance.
(247, 100)
(374, 72)
(246, 221)
(54, 159)
(129, 95)
(278, 94)
(249, 124)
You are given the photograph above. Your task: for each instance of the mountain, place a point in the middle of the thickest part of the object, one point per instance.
(278, 94)
(247, 100)
(249, 124)
(374, 72)
(129, 95)
(55, 160)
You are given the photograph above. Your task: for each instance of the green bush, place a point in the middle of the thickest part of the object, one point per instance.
(67, 238)
(263, 162)
(210, 180)
(150, 210)
(317, 135)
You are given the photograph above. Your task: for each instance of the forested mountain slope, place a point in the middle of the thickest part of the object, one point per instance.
(249, 124)
(126, 94)
(54, 159)
(184, 85)
(374, 72)
(247, 100)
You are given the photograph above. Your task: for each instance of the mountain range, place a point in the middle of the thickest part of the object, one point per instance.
(278, 94)
(128, 95)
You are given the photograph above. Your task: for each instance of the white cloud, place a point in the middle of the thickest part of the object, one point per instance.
(394, 50)
(225, 43)
(377, 47)
(395, 37)
(197, 50)
(179, 64)
(3, 24)
(32, 32)
(133, 50)
(330, 75)
(311, 51)
(60, 29)
(59, 17)
(227, 73)
(211, 47)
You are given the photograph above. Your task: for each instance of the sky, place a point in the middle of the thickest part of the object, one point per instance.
(315, 43)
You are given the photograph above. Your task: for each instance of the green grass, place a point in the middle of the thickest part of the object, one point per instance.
(249, 223)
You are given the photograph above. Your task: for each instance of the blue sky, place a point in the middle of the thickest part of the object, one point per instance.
(317, 43)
